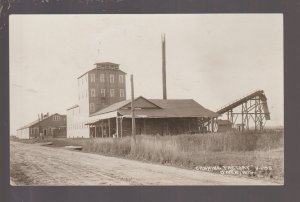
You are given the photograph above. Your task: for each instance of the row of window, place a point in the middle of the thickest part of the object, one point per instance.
(34, 130)
(111, 78)
(56, 118)
(111, 92)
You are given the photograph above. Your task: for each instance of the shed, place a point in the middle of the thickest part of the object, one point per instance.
(153, 116)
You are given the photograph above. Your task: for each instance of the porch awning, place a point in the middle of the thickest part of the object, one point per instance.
(92, 123)
(95, 119)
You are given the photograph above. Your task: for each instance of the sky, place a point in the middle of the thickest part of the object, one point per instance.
(211, 58)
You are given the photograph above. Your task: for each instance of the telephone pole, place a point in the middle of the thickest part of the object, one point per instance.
(164, 79)
(132, 109)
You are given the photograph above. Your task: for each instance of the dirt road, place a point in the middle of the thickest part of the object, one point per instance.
(39, 165)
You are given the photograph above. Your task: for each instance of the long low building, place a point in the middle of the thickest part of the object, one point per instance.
(153, 116)
(47, 125)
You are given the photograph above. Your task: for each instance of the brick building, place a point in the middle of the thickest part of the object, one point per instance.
(47, 125)
(98, 88)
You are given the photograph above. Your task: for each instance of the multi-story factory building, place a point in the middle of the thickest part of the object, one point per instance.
(98, 88)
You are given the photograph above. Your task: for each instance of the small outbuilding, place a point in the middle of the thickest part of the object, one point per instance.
(224, 125)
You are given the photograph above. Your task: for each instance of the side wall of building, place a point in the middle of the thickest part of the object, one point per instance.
(77, 117)
(160, 126)
(76, 121)
(54, 126)
(23, 133)
(109, 81)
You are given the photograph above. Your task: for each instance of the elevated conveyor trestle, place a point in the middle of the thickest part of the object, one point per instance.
(251, 110)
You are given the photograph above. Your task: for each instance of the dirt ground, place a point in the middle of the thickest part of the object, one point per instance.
(33, 164)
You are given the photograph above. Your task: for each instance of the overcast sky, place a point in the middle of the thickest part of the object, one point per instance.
(211, 58)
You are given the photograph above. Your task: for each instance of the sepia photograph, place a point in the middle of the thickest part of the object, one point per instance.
(148, 99)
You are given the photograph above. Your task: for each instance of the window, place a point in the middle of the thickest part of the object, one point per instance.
(112, 92)
(122, 94)
(111, 78)
(56, 118)
(93, 93)
(102, 78)
(102, 92)
(92, 77)
(92, 107)
(121, 79)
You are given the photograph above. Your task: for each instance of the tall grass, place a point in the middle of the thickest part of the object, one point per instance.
(187, 150)
(232, 148)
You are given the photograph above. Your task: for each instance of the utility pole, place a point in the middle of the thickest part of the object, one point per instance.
(132, 109)
(164, 79)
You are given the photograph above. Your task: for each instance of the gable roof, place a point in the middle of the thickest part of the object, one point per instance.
(164, 109)
(176, 108)
(184, 107)
(37, 121)
(119, 105)
(141, 102)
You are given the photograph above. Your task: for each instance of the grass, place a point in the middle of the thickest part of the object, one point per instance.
(191, 151)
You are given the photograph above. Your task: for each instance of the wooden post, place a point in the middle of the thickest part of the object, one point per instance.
(144, 127)
(117, 127)
(121, 124)
(102, 128)
(108, 127)
(132, 108)
(212, 124)
(243, 117)
(95, 130)
(167, 128)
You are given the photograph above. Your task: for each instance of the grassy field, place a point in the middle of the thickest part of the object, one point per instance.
(257, 150)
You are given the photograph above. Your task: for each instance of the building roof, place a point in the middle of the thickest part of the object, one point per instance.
(74, 106)
(98, 68)
(37, 121)
(112, 107)
(120, 105)
(110, 63)
(161, 109)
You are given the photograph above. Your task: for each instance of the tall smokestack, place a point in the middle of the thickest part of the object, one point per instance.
(164, 67)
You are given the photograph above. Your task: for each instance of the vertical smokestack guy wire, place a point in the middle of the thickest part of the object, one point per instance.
(164, 67)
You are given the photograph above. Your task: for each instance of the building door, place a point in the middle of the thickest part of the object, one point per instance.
(45, 132)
